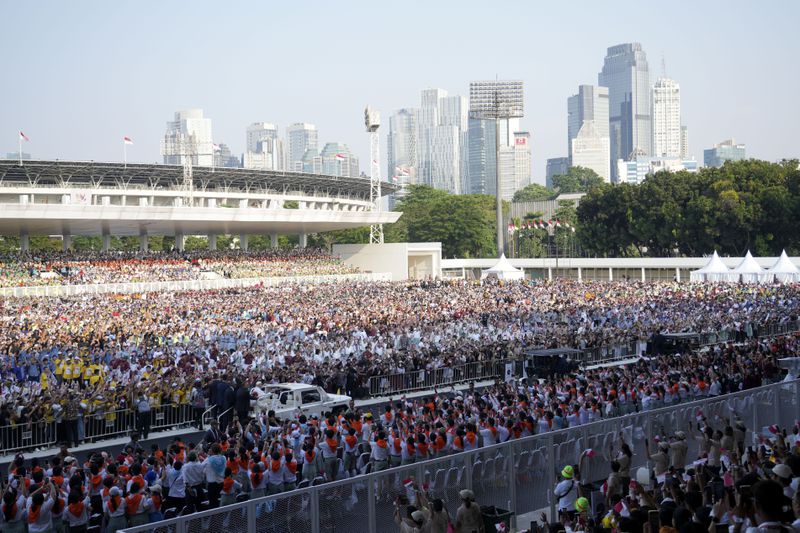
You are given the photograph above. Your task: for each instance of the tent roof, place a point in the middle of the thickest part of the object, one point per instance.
(748, 266)
(784, 265)
(714, 266)
(502, 266)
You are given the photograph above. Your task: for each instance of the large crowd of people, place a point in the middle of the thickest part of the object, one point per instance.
(88, 267)
(75, 361)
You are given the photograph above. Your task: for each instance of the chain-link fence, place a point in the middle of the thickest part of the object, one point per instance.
(518, 475)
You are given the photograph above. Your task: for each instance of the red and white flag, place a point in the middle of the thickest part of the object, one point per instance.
(340, 157)
(23, 137)
(215, 147)
(589, 453)
(699, 415)
(127, 140)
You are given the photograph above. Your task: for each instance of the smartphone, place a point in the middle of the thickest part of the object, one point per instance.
(654, 520)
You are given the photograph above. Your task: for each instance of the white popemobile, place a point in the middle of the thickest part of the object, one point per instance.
(287, 398)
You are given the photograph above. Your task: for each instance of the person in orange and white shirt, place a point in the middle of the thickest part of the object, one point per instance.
(274, 473)
(230, 489)
(409, 451)
(489, 433)
(77, 513)
(40, 516)
(395, 449)
(387, 418)
(137, 506)
(115, 511)
(258, 481)
(350, 452)
(329, 448)
(379, 456)
(289, 473)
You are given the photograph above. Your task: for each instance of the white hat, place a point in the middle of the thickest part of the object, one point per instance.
(418, 516)
(467, 494)
(782, 470)
(114, 491)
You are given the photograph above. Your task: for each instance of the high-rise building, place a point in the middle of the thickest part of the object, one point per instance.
(627, 76)
(189, 135)
(725, 151)
(300, 138)
(514, 165)
(482, 156)
(265, 150)
(401, 147)
(224, 158)
(591, 103)
(684, 142)
(666, 98)
(556, 166)
(338, 160)
(441, 140)
(589, 149)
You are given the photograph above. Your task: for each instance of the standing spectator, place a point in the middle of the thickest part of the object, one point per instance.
(468, 516)
(214, 467)
(143, 415)
(566, 491)
(242, 402)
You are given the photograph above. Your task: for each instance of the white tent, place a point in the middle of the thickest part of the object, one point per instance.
(783, 270)
(714, 270)
(503, 270)
(748, 271)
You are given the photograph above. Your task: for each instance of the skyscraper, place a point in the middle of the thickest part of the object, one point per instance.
(265, 150)
(337, 160)
(556, 166)
(515, 165)
(727, 150)
(402, 147)
(589, 149)
(441, 140)
(482, 156)
(591, 103)
(626, 74)
(666, 118)
(300, 137)
(684, 142)
(188, 135)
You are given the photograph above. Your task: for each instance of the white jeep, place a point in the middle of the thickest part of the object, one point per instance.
(289, 399)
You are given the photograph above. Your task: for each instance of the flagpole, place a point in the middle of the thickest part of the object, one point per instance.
(124, 154)
(19, 151)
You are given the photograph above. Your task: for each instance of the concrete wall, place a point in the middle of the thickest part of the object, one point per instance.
(389, 257)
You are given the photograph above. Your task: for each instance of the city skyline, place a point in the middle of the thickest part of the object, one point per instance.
(114, 80)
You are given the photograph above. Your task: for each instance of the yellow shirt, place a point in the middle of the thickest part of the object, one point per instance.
(97, 373)
(59, 367)
(43, 380)
(67, 371)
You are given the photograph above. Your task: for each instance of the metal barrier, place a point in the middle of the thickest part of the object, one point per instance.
(17, 437)
(416, 380)
(517, 475)
(187, 285)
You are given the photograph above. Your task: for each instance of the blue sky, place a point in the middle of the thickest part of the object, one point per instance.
(79, 75)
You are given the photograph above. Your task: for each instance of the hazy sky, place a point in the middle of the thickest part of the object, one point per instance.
(79, 75)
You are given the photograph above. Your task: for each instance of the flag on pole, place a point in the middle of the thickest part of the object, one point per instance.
(340, 157)
(394, 178)
(23, 137)
(215, 147)
(127, 140)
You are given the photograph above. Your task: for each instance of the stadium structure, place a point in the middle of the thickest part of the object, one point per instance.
(69, 198)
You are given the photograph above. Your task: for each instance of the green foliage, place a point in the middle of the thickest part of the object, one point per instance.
(742, 205)
(534, 193)
(464, 224)
(291, 204)
(577, 179)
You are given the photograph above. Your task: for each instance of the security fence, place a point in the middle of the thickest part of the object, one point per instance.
(517, 475)
(428, 379)
(186, 285)
(91, 426)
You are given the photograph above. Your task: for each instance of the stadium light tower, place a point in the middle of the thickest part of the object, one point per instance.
(496, 100)
(372, 121)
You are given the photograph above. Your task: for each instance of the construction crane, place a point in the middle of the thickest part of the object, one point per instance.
(372, 121)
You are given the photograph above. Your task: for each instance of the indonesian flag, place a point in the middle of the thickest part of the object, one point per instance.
(215, 147)
(558, 223)
(394, 178)
(604, 488)
(510, 229)
(501, 526)
(773, 429)
(408, 484)
(589, 453)
(340, 157)
(622, 509)
(699, 415)
(127, 140)
(23, 137)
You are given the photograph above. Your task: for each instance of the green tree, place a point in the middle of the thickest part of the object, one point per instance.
(577, 179)
(464, 224)
(534, 193)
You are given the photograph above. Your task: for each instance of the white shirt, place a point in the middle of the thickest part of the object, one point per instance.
(177, 488)
(45, 520)
(567, 489)
(78, 520)
(193, 473)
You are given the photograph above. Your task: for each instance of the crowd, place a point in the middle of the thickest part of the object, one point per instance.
(75, 268)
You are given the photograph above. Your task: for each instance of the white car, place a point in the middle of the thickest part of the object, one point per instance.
(289, 399)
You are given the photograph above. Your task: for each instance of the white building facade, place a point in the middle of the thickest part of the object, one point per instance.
(189, 135)
(591, 103)
(265, 149)
(667, 131)
(300, 137)
(441, 141)
(402, 147)
(590, 149)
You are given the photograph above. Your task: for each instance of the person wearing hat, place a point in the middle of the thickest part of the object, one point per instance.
(156, 502)
(468, 516)
(582, 505)
(115, 511)
(678, 450)
(660, 458)
(783, 474)
(566, 491)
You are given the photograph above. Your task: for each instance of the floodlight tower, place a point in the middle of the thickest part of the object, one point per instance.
(496, 100)
(372, 121)
(183, 146)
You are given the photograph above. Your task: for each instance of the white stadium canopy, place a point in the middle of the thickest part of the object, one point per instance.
(714, 270)
(503, 270)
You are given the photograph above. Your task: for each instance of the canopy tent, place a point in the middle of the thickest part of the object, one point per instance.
(783, 270)
(748, 271)
(714, 270)
(503, 270)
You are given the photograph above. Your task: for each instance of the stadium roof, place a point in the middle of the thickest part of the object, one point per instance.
(118, 175)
